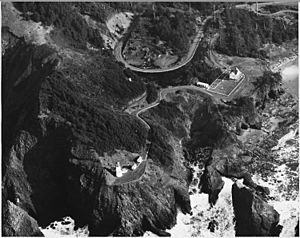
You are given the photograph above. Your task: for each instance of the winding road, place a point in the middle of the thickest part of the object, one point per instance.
(187, 59)
(192, 50)
(253, 8)
(136, 175)
(162, 94)
(277, 13)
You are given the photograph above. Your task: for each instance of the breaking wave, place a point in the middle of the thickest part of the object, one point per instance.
(64, 228)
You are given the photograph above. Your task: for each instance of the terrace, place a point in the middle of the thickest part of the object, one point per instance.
(227, 83)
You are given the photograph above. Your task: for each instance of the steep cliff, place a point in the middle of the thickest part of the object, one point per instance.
(61, 100)
(54, 111)
(208, 130)
(254, 217)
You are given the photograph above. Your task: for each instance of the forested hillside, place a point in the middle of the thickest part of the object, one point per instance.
(69, 26)
(242, 32)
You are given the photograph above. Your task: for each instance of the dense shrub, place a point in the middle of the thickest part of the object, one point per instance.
(175, 30)
(93, 123)
(267, 87)
(152, 92)
(160, 151)
(246, 32)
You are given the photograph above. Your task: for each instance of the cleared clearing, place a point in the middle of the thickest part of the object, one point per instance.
(118, 23)
(30, 30)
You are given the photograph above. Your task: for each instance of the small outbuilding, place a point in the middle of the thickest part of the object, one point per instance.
(139, 159)
(235, 74)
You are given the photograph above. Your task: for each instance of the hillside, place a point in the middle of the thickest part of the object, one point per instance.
(72, 115)
(59, 103)
(243, 32)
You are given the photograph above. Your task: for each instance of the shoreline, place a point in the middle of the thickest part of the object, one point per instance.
(290, 77)
(282, 64)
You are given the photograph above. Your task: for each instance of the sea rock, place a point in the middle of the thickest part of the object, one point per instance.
(228, 162)
(297, 229)
(211, 183)
(254, 216)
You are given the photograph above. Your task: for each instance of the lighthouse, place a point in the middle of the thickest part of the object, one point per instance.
(119, 170)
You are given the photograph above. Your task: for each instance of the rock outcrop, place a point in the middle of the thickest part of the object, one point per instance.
(253, 215)
(17, 222)
(228, 162)
(297, 229)
(127, 209)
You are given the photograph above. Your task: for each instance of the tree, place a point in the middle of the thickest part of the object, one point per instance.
(266, 86)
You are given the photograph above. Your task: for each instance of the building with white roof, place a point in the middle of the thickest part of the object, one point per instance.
(235, 74)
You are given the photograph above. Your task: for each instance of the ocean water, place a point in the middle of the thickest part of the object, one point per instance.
(64, 228)
(204, 217)
(284, 183)
(218, 221)
(288, 208)
(290, 77)
(221, 216)
(206, 221)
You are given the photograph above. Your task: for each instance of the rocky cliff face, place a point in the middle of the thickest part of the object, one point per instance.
(206, 124)
(48, 171)
(60, 102)
(128, 209)
(254, 216)
(17, 222)
(208, 131)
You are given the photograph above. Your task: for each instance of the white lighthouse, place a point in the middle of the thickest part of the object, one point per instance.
(119, 172)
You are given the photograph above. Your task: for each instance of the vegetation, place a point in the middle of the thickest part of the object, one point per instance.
(66, 19)
(161, 30)
(245, 32)
(93, 123)
(208, 128)
(170, 117)
(174, 28)
(96, 10)
(200, 69)
(152, 92)
(267, 87)
(102, 79)
(196, 68)
(160, 151)
(207, 8)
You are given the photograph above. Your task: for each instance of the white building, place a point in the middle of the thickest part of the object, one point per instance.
(235, 74)
(124, 171)
(205, 85)
(134, 166)
(139, 159)
(119, 172)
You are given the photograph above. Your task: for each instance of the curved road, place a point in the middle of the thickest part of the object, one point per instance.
(276, 13)
(163, 92)
(253, 8)
(137, 174)
(196, 41)
(189, 56)
(161, 96)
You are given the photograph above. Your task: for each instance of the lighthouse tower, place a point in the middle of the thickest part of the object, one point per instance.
(119, 170)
